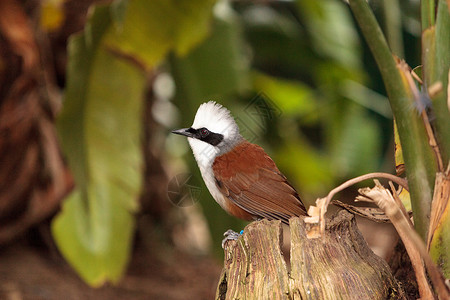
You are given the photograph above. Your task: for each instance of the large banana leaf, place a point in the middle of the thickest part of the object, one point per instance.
(99, 130)
(100, 125)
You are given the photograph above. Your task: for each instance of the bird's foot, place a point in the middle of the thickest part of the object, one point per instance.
(230, 235)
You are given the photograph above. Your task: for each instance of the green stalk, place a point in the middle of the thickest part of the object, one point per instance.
(419, 161)
(442, 65)
(427, 13)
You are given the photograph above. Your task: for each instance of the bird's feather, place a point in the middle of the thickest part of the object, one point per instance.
(251, 181)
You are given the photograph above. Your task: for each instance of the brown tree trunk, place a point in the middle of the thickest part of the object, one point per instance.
(339, 265)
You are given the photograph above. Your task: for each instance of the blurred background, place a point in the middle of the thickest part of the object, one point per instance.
(99, 200)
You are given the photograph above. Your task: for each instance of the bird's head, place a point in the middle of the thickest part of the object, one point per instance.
(214, 131)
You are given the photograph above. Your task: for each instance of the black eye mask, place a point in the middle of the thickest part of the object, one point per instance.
(207, 136)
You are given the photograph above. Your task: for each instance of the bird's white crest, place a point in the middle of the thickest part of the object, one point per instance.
(217, 119)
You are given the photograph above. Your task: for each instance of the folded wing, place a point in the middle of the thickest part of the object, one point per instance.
(256, 186)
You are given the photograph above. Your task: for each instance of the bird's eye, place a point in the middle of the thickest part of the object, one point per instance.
(204, 132)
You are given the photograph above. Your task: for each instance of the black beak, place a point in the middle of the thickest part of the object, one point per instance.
(184, 131)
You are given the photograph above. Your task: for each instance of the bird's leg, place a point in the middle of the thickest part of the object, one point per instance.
(230, 235)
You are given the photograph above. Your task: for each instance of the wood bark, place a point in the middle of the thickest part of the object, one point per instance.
(339, 265)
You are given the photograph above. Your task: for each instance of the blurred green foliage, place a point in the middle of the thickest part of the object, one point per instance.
(305, 59)
(101, 121)
(95, 228)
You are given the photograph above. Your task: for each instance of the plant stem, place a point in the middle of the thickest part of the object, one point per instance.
(427, 13)
(441, 73)
(419, 162)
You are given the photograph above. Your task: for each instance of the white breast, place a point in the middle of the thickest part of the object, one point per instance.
(205, 154)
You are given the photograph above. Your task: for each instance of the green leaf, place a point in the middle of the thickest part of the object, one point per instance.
(300, 161)
(293, 97)
(100, 124)
(366, 97)
(356, 143)
(332, 31)
(97, 246)
(153, 28)
(278, 32)
(99, 129)
(215, 67)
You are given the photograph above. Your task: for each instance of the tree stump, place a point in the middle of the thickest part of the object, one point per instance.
(338, 265)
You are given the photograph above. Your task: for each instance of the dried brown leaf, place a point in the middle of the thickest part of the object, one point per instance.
(413, 243)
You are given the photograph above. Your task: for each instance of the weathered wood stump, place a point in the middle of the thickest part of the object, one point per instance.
(339, 265)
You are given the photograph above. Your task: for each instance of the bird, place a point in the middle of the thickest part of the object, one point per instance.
(240, 176)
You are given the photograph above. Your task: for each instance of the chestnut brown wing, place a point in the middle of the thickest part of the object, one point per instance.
(250, 179)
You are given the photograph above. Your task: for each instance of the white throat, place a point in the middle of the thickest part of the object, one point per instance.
(205, 155)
